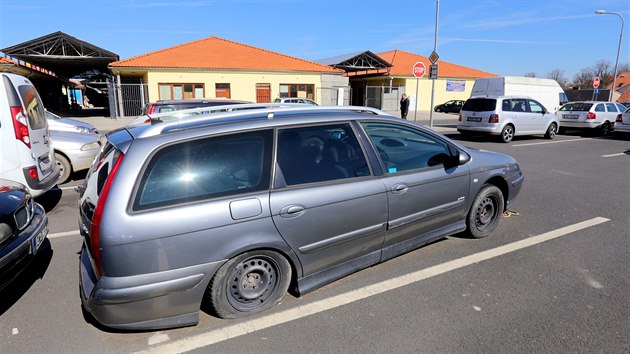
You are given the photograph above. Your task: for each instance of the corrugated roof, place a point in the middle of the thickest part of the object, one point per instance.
(219, 53)
(403, 63)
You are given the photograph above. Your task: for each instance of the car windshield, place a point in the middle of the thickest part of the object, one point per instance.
(577, 106)
(480, 104)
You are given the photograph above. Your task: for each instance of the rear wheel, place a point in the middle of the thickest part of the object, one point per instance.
(485, 212)
(551, 131)
(604, 129)
(249, 283)
(507, 133)
(65, 169)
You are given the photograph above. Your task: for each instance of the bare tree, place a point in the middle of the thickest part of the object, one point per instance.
(558, 75)
(530, 74)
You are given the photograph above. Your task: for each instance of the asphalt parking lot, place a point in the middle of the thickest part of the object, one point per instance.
(555, 277)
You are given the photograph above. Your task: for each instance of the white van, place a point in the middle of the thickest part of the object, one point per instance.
(546, 91)
(26, 154)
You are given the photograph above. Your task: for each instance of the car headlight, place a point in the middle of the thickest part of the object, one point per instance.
(91, 146)
(82, 130)
(5, 232)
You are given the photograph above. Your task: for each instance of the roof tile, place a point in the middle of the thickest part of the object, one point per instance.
(218, 53)
(403, 63)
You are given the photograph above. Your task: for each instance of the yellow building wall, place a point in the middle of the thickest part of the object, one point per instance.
(242, 84)
(440, 96)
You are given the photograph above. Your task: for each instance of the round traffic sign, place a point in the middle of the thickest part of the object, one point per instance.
(596, 82)
(419, 69)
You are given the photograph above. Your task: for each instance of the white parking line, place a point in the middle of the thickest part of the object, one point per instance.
(553, 142)
(233, 331)
(613, 155)
(64, 234)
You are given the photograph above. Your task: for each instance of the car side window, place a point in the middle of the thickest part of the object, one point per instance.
(506, 106)
(403, 148)
(611, 107)
(600, 108)
(535, 107)
(519, 105)
(206, 168)
(320, 153)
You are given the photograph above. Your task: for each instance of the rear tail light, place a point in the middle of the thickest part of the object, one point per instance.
(494, 118)
(151, 109)
(19, 125)
(618, 118)
(95, 229)
(591, 115)
(32, 172)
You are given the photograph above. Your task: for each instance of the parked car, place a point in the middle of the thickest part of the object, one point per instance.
(58, 123)
(622, 124)
(23, 229)
(597, 116)
(26, 154)
(162, 106)
(506, 116)
(73, 152)
(295, 100)
(452, 106)
(231, 208)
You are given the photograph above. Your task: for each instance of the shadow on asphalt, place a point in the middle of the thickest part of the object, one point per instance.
(50, 199)
(35, 270)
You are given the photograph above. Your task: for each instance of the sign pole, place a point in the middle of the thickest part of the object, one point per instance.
(415, 111)
(435, 43)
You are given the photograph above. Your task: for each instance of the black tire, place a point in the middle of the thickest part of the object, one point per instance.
(65, 168)
(249, 283)
(604, 129)
(485, 212)
(551, 131)
(507, 133)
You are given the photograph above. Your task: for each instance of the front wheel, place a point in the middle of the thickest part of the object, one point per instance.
(507, 133)
(249, 283)
(485, 212)
(551, 131)
(65, 168)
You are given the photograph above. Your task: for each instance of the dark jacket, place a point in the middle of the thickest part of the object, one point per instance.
(404, 105)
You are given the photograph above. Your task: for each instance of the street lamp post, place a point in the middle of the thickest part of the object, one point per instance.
(612, 89)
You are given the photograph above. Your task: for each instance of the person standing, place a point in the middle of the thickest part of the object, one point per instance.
(404, 106)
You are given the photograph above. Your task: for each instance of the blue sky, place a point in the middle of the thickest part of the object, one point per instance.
(509, 37)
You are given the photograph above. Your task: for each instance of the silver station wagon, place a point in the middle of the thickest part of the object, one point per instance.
(232, 209)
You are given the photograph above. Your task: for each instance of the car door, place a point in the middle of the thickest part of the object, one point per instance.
(426, 194)
(326, 203)
(34, 116)
(538, 117)
(521, 117)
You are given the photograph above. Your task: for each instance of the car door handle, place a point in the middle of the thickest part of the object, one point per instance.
(399, 188)
(291, 211)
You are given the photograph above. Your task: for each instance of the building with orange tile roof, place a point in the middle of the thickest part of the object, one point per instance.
(622, 87)
(214, 67)
(378, 80)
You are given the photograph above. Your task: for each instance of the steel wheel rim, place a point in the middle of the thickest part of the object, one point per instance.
(486, 213)
(252, 282)
(61, 169)
(552, 131)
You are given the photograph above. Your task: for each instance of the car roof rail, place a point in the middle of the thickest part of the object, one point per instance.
(202, 116)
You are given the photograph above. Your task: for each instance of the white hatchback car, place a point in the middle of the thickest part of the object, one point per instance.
(506, 116)
(593, 115)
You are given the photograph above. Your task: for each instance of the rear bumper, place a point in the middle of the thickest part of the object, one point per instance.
(39, 187)
(579, 125)
(146, 301)
(621, 128)
(492, 130)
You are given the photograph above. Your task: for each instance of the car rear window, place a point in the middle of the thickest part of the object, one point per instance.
(577, 106)
(34, 107)
(480, 105)
(205, 169)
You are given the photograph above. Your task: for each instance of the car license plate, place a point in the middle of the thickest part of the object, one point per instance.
(44, 163)
(473, 119)
(570, 116)
(39, 239)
